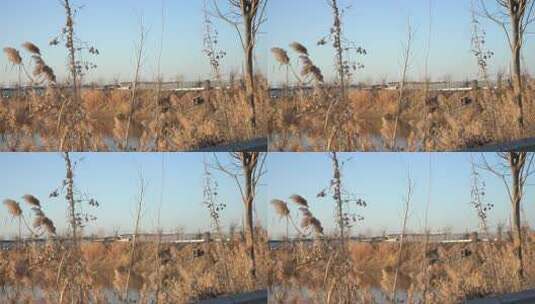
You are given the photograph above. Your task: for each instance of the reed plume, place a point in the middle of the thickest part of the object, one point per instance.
(32, 200)
(49, 73)
(310, 69)
(315, 224)
(32, 48)
(281, 56)
(48, 225)
(38, 221)
(299, 48)
(281, 208)
(13, 207)
(45, 223)
(39, 65)
(41, 68)
(306, 212)
(13, 55)
(299, 200)
(38, 212)
(309, 221)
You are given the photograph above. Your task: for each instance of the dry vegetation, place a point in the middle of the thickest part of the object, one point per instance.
(443, 121)
(41, 266)
(30, 123)
(32, 273)
(307, 273)
(339, 117)
(335, 268)
(70, 116)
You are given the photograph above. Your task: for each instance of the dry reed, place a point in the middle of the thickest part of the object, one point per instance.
(32, 48)
(281, 56)
(32, 200)
(13, 55)
(299, 200)
(13, 207)
(299, 48)
(281, 208)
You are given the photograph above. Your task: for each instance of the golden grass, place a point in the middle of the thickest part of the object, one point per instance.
(13, 55)
(182, 124)
(187, 272)
(315, 272)
(13, 207)
(441, 122)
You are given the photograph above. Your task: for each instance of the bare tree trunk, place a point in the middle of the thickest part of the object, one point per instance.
(517, 163)
(133, 100)
(159, 135)
(132, 259)
(250, 166)
(249, 68)
(249, 199)
(406, 207)
(406, 59)
(251, 13)
(514, 17)
(426, 231)
(514, 173)
(517, 76)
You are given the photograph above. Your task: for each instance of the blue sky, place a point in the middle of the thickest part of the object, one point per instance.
(112, 179)
(381, 180)
(379, 26)
(113, 27)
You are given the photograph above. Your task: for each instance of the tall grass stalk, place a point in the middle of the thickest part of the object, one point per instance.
(406, 208)
(406, 57)
(137, 226)
(140, 48)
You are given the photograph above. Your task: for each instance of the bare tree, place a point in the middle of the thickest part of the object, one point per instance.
(337, 187)
(246, 170)
(427, 77)
(428, 47)
(69, 183)
(247, 17)
(71, 48)
(514, 17)
(215, 208)
(211, 49)
(140, 48)
(158, 258)
(137, 226)
(345, 66)
(406, 208)
(159, 107)
(346, 201)
(482, 208)
(514, 170)
(483, 55)
(71, 274)
(407, 52)
(71, 115)
(336, 36)
(337, 32)
(425, 264)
